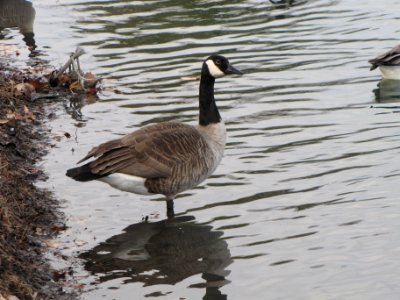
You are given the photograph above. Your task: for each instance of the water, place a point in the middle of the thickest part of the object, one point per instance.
(305, 202)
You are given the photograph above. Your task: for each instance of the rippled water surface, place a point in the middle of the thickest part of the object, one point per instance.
(305, 202)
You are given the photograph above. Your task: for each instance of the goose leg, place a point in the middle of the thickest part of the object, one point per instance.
(170, 208)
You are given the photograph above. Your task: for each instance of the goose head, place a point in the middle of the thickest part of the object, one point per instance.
(219, 66)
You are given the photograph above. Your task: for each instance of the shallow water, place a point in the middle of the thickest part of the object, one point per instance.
(305, 202)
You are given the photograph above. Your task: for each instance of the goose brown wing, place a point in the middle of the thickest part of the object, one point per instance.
(391, 57)
(150, 152)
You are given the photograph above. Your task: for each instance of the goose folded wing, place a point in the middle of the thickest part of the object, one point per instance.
(146, 153)
(392, 57)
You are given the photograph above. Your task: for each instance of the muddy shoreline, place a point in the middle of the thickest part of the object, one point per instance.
(28, 215)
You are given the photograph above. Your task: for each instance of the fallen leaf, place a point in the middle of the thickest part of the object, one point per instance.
(90, 83)
(4, 217)
(36, 84)
(59, 228)
(72, 285)
(91, 91)
(76, 87)
(77, 286)
(64, 80)
(51, 243)
(9, 297)
(90, 80)
(59, 276)
(23, 89)
(80, 243)
(29, 114)
(14, 116)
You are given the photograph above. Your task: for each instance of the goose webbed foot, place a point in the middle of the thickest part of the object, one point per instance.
(170, 208)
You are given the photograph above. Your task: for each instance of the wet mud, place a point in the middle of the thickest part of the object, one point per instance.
(28, 215)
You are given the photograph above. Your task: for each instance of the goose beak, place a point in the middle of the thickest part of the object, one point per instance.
(232, 70)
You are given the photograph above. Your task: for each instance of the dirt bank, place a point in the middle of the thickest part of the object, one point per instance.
(28, 214)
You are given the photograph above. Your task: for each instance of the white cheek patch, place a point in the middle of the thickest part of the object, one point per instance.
(214, 70)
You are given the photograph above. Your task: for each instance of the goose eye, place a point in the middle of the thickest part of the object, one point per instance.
(217, 62)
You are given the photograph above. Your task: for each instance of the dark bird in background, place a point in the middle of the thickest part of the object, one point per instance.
(20, 14)
(388, 63)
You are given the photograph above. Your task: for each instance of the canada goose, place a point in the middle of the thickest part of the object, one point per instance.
(388, 63)
(165, 158)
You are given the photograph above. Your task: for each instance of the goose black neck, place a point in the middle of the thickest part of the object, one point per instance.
(208, 109)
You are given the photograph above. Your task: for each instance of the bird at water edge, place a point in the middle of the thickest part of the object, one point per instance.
(165, 158)
(388, 63)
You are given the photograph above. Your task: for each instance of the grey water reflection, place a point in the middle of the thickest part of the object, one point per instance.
(307, 192)
(20, 14)
(164, 252)
(387, 91)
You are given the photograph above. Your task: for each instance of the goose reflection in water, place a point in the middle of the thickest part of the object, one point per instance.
(388, 91)
(164, 252)
(21, 14)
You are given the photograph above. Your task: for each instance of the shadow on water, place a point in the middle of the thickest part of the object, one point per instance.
(164, 252)
(20, 14)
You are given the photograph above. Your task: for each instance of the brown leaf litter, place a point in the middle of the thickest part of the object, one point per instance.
(27, 214)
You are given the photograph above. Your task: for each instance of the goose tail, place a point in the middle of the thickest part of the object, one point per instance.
(83, 173)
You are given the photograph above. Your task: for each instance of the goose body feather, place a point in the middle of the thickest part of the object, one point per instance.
(390, 72)
(165, 158)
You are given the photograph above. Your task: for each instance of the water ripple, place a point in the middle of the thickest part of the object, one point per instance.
(309, 181)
